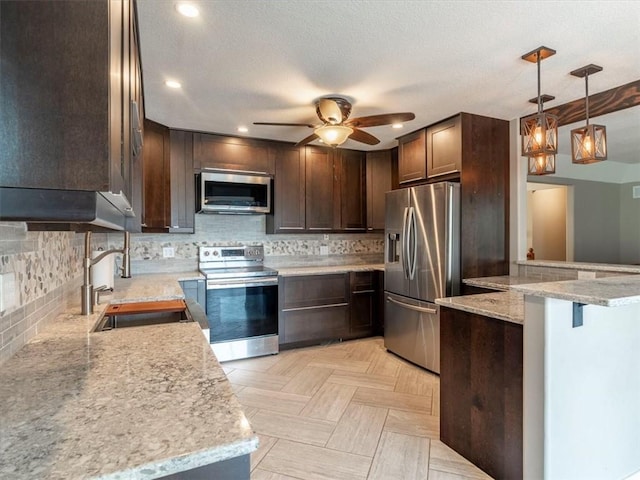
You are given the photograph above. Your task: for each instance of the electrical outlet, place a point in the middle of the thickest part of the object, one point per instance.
(324, 250)
(583, 275)
(167, 252)
(325, 236)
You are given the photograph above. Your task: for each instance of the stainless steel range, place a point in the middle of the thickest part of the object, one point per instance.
(242, 301)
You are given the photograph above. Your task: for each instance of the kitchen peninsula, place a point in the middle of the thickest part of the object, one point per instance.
(580, 388)
(142, 402)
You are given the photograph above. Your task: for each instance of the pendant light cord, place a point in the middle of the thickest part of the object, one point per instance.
(586, 100)
(539, 96)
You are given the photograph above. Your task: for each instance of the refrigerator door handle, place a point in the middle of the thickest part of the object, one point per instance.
(432, 311)
(405, 244)
(414, 238)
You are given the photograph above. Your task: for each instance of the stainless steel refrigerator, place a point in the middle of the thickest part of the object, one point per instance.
(422, 263)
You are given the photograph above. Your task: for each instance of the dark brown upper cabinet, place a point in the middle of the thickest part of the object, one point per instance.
(169, 182)
(289, 205)
(322, 213)
(351, 195)
(65, 94)
(412, 157)
(231, 153)
(444, 147)
(379, 181)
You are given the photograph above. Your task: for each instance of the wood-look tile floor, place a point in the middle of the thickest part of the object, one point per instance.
(348, 411)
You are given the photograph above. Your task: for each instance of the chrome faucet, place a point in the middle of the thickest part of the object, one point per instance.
(86, 291)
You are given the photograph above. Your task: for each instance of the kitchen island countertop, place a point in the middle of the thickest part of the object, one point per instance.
(507, 306)
(139, 402)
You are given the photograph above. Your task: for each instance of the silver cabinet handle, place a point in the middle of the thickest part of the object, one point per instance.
(315, 307)
(432, 311)
(355, 292)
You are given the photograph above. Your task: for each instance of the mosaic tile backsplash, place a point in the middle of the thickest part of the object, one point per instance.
(38, 270)
(280, 250)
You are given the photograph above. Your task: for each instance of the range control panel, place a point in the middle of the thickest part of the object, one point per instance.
(253, 253)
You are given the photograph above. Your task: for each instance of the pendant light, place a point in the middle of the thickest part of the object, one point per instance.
(589, 143)
(540, 131)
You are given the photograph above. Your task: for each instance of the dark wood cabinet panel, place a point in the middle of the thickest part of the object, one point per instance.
(481, 391)
(412, 157)
(320, 185)
(157, 179)
(362, 304)
(314, 290)
(64, 95)
(182, 182)
(169, 182)
(444, 147)
(351, 198)
(379, 181)
(288, 212)
(231, 153)
(484, 196)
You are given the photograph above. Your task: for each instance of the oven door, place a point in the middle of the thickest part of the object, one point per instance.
(242, 308)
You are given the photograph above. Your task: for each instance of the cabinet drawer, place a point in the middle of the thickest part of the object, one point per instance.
(319, 323)
(314, 290)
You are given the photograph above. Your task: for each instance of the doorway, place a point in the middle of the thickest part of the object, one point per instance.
(550, 221)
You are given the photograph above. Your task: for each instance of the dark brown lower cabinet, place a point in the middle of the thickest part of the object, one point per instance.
(319, 308)
(481, 391)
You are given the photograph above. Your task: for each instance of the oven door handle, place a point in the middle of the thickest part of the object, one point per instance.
(217, 285)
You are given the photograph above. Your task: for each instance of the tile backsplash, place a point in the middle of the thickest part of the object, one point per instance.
(280, 249)
(38, 272)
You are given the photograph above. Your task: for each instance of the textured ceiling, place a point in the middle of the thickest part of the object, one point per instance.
(268, 60)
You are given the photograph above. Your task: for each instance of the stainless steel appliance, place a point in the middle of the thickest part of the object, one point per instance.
(241, 301)
(422, 263)
(227, 191)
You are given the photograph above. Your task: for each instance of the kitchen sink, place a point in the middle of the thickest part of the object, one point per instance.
(143, 314)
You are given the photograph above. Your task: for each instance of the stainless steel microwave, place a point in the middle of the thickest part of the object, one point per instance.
(226, 191)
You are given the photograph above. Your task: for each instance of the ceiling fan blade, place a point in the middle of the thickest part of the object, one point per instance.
(306, 140)
(377, 120)
(329, 111)
(363, 137)
(285, 124)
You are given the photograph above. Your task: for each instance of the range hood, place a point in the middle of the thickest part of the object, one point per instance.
(65, 207)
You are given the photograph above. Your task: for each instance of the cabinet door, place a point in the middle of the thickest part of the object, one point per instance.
(289, 191)
(362, 304)
(231, 153)
(182, 182)
(116, 93)
(320, 188)
(412, 157)
(379, 181)
(352, 200)
(444, 147)
(157, 180)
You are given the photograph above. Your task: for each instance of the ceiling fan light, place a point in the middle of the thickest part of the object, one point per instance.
(333, 135)
(589, 144)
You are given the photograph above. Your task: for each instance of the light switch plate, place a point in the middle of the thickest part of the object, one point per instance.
(167, 252)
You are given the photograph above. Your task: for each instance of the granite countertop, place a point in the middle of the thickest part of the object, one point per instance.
(596, 267)
(138, 402)
(507, 306)
(325, 269)
(607, 292)
(502, 282)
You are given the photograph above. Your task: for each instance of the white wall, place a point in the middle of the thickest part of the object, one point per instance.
(590, 398)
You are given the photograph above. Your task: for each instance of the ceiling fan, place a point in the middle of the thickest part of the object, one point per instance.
(336, 126)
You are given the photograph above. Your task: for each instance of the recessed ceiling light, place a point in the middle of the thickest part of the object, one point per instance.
(397, 125)
(173, 84)
(243, 129)
(187, 9)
